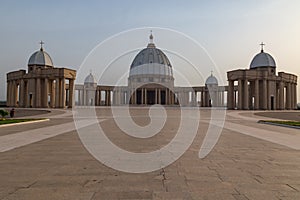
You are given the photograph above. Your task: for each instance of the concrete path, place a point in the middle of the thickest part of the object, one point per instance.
(250, 161)
(292, 139)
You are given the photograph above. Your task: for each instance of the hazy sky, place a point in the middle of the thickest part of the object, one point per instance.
(229, 31)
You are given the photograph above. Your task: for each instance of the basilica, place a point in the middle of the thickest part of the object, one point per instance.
(151, 81)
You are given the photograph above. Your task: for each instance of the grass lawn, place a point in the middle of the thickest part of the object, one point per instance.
(290, 123)
(12, 121)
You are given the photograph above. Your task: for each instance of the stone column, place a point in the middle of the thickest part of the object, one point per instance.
(100, 97)
(288, 96)
(38, 95)
(80, 97)
(202, 99)
(159, 96)
(230, 95)
(63, 93)
(71, 93)
(240, 98)
(256, 95)
(109, 98)
(57, 92)
(246, 95)
(45, 92)
(264, 95)
(295, 95)
(22, 93)
(145, 91)
(52, 96)
(156, 96)
(14, 96)
(8, 93)
(12, 93)
(193, 98)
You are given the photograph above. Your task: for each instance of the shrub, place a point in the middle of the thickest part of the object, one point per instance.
(3, 113)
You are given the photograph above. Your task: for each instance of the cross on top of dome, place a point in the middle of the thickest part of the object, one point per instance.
(41, 43)
(262, 46)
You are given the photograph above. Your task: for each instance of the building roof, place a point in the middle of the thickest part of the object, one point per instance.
(40, 57)
(211, 80)
(262, 59)
(150, 55)
(151, 60)
(90, 79)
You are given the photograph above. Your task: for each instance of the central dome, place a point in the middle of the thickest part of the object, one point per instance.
(151, 61)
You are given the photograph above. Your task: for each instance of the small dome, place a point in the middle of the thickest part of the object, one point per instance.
(90, 79)
(262, 59)
(40, 57)
(211, 80)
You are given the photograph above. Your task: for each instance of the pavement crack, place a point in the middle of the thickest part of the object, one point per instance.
(292, 187)
(163, 174)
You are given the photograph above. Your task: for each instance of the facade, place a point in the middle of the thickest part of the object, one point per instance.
(42, 86)
(150, 82)
(260, 88)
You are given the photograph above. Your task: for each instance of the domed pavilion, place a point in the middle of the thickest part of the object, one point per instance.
(260, 87)
(42, 86)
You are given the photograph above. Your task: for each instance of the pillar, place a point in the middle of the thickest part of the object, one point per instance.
(288, 96)
(281, 95)
(71, 93)
(38, 93)
(45, 95)
(256, 95)
(26, 98)
(62, 93)
(295, 95)
(230, 95)
(52, 96)
(246, 95)
(159, 96)
(8, 93)
(264, 95)
(240, 98)
(57, 92)
(145, 93)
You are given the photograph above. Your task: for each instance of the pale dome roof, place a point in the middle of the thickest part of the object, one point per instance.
(40, 57)
(211, 80)
(90, 79)
(262, 59)
(151, 60)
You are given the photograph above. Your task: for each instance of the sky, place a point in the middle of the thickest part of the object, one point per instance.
(228, 32)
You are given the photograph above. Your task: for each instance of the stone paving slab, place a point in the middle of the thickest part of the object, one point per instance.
(239, 167)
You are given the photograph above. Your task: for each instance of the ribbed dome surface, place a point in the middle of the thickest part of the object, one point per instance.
(211, 80)
(90, 79)
(151, 61)
(40, 57)
(262, 60)
(149, 56)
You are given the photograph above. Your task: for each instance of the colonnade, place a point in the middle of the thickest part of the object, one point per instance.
(121, 95)
(40, 93)
(261, 94)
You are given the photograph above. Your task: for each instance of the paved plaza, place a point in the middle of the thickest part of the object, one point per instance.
(46, 160)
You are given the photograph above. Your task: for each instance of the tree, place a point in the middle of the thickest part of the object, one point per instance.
(3, 113)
